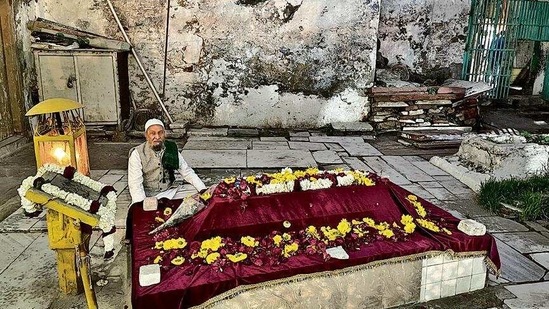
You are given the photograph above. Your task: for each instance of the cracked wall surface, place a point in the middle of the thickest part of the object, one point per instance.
(428, 36)
(250, 63)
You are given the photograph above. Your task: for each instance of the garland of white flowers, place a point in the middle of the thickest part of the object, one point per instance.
(106, 213)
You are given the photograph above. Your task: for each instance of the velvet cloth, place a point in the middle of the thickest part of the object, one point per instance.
(189, 285)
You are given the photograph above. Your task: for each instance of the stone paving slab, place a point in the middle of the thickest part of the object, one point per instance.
(360, 149)
(299, 138)
(405, 168)
(308, 146)
(334, 146)
(525, 242)
(468, 207)
(30, 281)
(214, 176)
(300, 134)
(541, 258)
(270, 145)
(280, 158)
(96, 174)
(428, 168)
(242, 132)
(215, 158)
(331, 167)
(517, 268)
(109, 179)
(496, 224)
(207, 132)
(531, 295)
(18, 222)
(419, 191)
(357, 164)
(273, 139)
(456, 187)
(383, 169)
(439, 193)
(222, 138)
(217, 145)
(13, 244)
(326, 157)
(352, 126)
(337, 139)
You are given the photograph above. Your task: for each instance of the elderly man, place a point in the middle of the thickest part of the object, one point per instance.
(152, 164)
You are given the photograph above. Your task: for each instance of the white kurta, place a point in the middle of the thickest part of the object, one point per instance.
(135, 176)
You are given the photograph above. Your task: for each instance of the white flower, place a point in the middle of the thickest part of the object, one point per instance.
(108, 241)
(343, 181)
(307, 185)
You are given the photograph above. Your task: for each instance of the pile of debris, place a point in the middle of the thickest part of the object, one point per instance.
(427, 117)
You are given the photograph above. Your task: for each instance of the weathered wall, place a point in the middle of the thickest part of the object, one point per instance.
(275, 63)
(428, 36)
(540, 76)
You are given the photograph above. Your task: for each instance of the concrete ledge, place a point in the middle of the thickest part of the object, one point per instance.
(471, 179)
(11, 144)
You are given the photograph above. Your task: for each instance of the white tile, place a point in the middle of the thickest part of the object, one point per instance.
(463, 285)
(439, 259)
(432, 291)
(433, 274)
(465, 268)
(477, 282)
(478, 266)
(422, 294)
(423, 275)
(449, 270)
(448, 288)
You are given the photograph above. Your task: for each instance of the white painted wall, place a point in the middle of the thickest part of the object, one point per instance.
(251, 65)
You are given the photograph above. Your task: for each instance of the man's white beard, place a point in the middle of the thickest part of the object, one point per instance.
(157, 147)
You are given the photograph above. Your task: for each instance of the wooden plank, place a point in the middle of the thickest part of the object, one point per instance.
(13, 68)
(50, 202)
(6, 125)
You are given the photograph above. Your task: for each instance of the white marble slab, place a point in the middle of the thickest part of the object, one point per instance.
(109, 179)
(13, 244)
(357, 164)
(525, 242)
(260, 145)
(307, 146)
(215, 158)
(196, 144)
(515, 267)
(207, 132)
(419, 191)
(361, 149)
(383, 169)
(31, 280)
(427, 167)
(541, 258)
(326, 157)
(280, 158)
(496, 224)
(531, 295)
(273, 139)
(409, 170)
(336, 139)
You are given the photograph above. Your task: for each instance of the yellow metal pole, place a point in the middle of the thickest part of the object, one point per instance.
(84, 260)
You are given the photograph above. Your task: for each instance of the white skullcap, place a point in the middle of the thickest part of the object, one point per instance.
(152, 122)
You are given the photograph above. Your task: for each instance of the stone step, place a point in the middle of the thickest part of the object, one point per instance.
(11, 144)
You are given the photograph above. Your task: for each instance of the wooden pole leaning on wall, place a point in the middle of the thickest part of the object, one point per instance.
(138, 60)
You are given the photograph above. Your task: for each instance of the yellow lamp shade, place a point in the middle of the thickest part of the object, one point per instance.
(53, 106)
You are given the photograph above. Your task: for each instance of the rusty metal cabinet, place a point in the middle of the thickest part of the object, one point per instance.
(96, 78)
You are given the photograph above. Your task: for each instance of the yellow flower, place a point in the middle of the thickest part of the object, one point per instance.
(358, 231)
(382, 226)
(237, 257)
(406, 219)
(428, 225)
(312, 232)
(289, 249)
(286, 237)
(174, 243)
(356, 222)
(250, 179)
(206, 196)
(229, 180)
(300, 173)
(312, 171)
(330, 233)
(157, 259)
(447, 231)
(167, 211)
(159, 245)
(344, 227)
(387, 233)
(159, 220)
(369, 221)
(412, 197)
(277, 239)
(203, 253)
(213, 243)
(178, 260)
(409, 228)
(249, 241)
(212, 257)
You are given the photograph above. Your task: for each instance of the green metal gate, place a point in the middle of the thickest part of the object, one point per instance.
(494, 28)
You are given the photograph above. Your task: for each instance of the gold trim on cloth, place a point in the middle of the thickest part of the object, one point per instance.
(341, 290)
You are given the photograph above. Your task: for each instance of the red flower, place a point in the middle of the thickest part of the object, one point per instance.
(69, 172)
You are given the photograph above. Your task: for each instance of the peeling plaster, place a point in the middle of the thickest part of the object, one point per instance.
(244, 63)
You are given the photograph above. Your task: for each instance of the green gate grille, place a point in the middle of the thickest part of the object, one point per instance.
(494, 28)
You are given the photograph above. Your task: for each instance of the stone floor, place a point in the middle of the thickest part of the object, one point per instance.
(28, 273)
